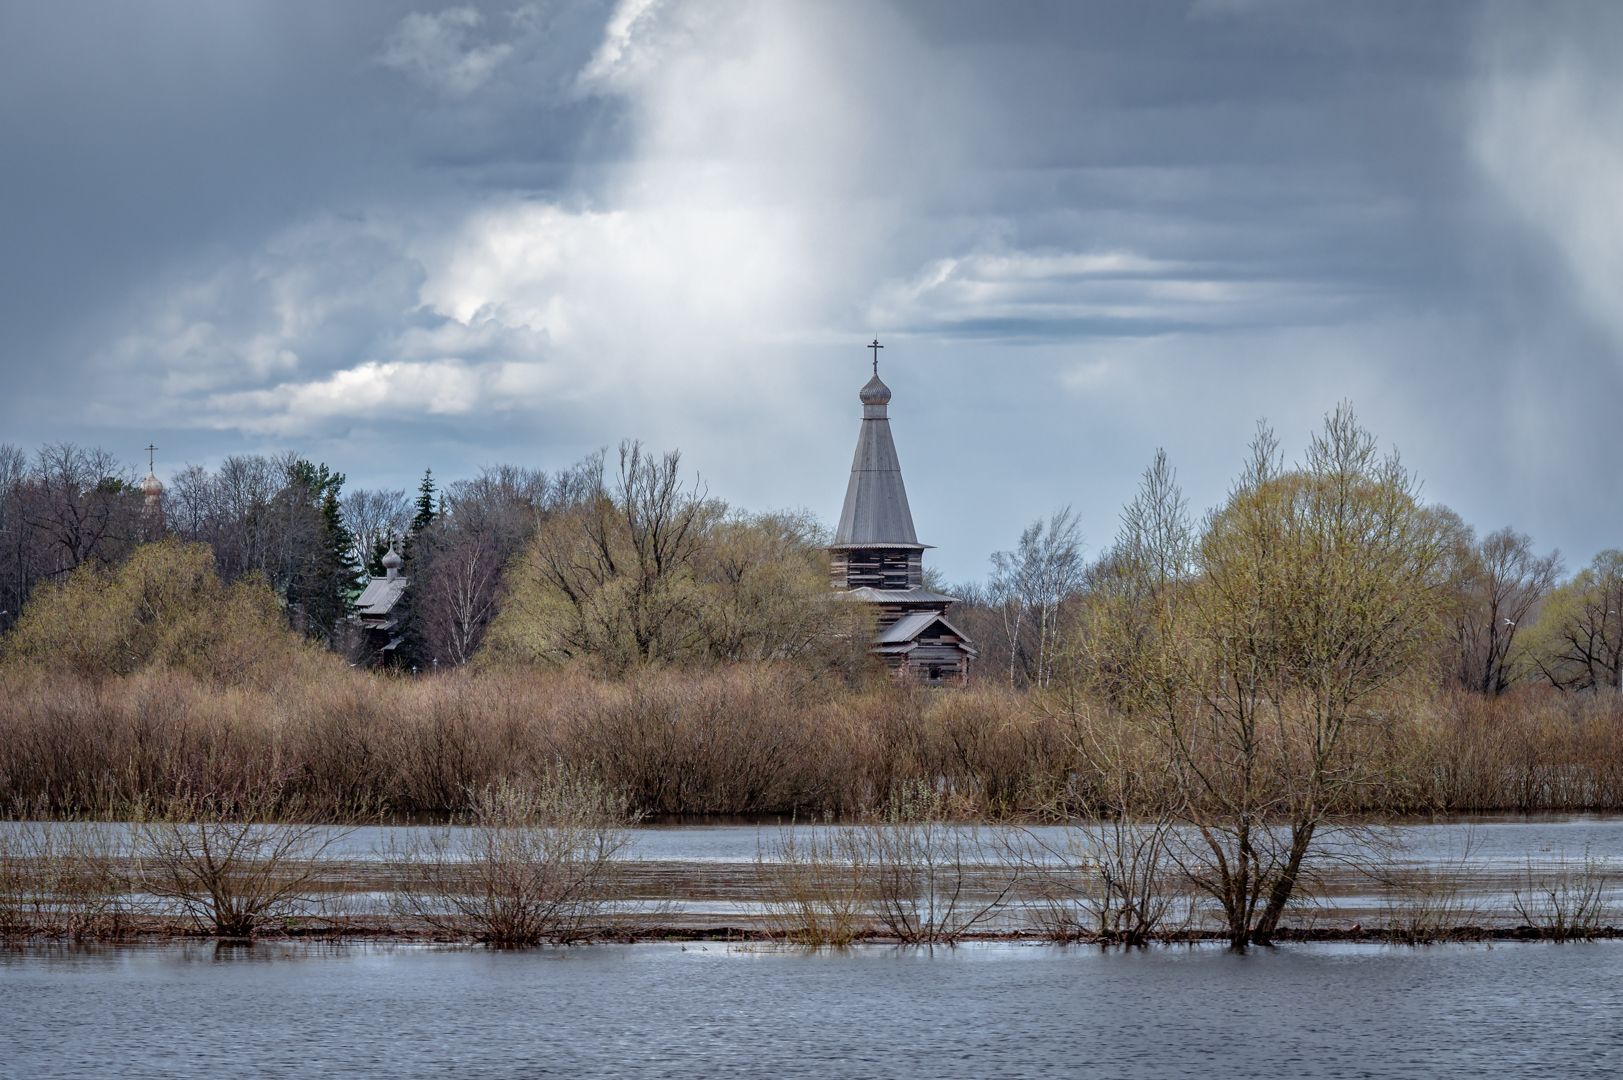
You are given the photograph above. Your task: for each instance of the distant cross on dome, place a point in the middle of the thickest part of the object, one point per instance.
(876, 347)
(151, 452)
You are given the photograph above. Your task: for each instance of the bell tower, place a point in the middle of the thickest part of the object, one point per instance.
(876, 557)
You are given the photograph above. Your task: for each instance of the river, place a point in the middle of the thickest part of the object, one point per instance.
(370, 1010)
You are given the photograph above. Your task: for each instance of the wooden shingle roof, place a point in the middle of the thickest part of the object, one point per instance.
(875, 513)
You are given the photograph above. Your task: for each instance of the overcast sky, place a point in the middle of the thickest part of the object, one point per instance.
(399, 235)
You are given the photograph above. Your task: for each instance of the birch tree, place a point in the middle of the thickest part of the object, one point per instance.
(1030, 584)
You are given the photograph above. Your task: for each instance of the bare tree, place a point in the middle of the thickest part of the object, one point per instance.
(456, 591)
(83, 505)
(16, 562)
(375, 518)
(1156, 537)
(1505, 582)
(1032, 582)
(615, 575)
(459, 561)
(190, 503)
(1315, 593)
(1007, 592)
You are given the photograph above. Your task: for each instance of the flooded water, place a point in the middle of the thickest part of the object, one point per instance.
(1484, 841)
(279, 1010)
(708, 875)
(1490, 841)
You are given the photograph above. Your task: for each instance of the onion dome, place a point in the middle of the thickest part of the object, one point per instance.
(392, 562)
(152, 488)
(875, 392)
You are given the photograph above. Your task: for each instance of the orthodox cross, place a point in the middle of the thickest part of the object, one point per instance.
(152, 450)
(876, 347)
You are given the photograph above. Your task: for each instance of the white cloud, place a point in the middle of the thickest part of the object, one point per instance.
(1029, 293)
(623, 52)
(434, 49)
(382, 391)
(1548, 135)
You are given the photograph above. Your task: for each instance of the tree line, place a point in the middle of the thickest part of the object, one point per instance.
(617, 563)
(1505, 615)
(627, 562)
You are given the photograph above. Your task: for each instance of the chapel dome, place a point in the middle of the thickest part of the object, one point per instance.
(875, 392)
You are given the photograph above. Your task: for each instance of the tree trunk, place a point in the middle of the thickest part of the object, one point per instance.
(1285, 884)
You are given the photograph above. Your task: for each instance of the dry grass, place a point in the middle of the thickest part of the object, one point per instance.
(745, 739)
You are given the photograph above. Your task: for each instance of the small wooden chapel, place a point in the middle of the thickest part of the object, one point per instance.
(877, 558)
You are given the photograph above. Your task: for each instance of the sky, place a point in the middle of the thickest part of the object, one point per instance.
(394, 236)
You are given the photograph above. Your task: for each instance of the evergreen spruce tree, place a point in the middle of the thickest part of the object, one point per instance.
(374, 559)
(346, 570)
(325, 577)
(425, 503)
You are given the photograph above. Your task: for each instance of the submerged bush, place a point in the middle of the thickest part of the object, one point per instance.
(62, 879)
(1567, 902)
(227, 864)
(528, 864)
(817, 886)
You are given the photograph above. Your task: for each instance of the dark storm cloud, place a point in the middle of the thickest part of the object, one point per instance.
(397, 235)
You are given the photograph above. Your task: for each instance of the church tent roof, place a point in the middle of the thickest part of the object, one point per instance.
(875, 511)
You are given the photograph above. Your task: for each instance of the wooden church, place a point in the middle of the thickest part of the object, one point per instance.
(878, 560)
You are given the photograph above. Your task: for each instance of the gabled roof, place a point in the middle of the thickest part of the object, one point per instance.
(875, 511)
(872, 595)
(379, 597)
(909, 628)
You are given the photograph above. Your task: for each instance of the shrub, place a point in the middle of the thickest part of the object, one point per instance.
(226, 865)
(528, 864)
(61, 879)
(817, 886)
(1565, 903)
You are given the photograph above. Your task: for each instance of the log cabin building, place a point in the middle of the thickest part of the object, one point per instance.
(380, 610)
(876, 557)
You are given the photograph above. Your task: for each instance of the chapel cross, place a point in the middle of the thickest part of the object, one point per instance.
(876, 347)
(151, 451)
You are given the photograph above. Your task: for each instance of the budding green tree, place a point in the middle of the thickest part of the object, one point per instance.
(1311, 596)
